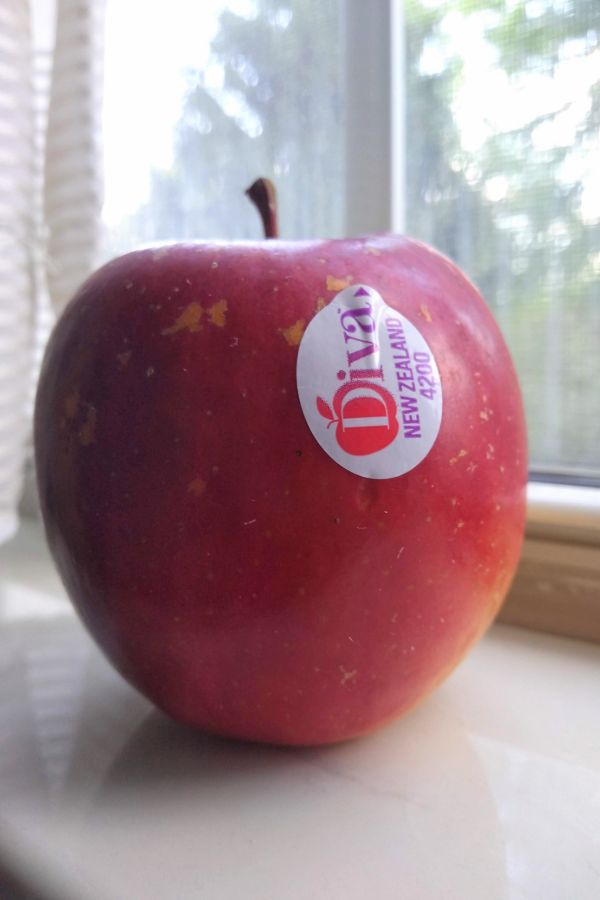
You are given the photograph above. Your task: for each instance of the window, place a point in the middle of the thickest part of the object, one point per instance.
(503, 115)
(221, 93)
(497, 106)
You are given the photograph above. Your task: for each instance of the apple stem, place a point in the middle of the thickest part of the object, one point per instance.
(264, 196)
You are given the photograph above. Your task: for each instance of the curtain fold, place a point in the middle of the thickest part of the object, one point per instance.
(73, 170)
(17, 248)
(50, 198)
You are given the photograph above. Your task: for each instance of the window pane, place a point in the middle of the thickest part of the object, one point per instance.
(206, 97)
(503, 175)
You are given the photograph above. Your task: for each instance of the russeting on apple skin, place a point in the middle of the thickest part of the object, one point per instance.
(232, 570)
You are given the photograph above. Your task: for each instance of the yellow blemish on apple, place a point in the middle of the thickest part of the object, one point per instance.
(189, 320)
(123, 358)
(347, 675)
(293, 334)
(217, 313)
(71, 405)
(425, 313)
(197, 486)
(214, 264)
(366, 496)
(87, 432)
(456, 458)
(484, 415)
(159, 253)
(320, 304)
(373, 250)
(337, 284)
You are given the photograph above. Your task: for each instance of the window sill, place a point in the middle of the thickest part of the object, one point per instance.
(563, 512)
(557, 585)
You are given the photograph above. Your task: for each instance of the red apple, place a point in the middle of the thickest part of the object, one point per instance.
(253, 578)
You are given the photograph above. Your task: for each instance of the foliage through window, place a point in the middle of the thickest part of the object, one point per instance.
(503, 106)
(259, 93)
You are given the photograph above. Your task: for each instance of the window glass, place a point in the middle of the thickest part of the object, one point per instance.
(203, 97)
(503, 175)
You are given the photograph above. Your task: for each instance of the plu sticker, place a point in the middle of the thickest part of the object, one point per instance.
(369, 385)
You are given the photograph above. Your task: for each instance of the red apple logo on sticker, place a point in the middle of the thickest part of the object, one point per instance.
(365, 415)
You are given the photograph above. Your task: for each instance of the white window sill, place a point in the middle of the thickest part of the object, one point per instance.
(564, 511)
(557, 586)
(489, 789)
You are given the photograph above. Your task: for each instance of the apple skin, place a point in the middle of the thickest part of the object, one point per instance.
(227, 566)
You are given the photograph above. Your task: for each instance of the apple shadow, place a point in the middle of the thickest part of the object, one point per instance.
(355, 819)
(164, 754)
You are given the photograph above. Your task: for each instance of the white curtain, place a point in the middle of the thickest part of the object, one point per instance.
(50, 196)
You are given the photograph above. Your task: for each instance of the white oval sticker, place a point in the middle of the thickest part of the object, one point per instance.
(369, 386)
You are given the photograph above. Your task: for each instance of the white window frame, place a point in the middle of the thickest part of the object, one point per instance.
(557, 586)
